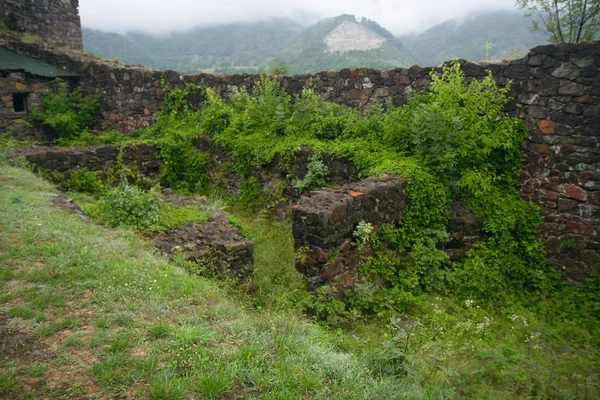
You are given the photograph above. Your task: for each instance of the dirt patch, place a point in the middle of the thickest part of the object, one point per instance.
(18, 345)
(68, 205)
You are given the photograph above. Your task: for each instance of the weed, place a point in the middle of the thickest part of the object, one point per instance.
(21, 312)
(120, 344)
(38, 370)
(165, 387)
(159, 331)
(316, 177)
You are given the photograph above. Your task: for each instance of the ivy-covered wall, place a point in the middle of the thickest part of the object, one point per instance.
(556, 90)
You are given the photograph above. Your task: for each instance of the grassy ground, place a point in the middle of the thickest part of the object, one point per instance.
(90, 312)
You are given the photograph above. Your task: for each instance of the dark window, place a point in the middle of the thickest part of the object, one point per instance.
(20, 102)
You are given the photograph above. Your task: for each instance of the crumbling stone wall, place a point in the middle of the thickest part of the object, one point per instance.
(556, 90)
(54, 21)
(29, 86)
(216, 245)
(324, 223)
(94, 158)
(558, 97)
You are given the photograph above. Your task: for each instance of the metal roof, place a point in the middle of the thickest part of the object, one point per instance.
(12, 61)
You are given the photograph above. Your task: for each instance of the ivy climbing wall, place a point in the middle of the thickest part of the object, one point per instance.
(556, 90)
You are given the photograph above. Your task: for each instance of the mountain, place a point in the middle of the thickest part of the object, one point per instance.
(508, 32)
(331, 44)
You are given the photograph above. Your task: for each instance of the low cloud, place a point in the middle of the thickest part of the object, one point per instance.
(160, 16)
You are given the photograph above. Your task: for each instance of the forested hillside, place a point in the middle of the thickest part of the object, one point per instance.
(252, 47)
(508, 33)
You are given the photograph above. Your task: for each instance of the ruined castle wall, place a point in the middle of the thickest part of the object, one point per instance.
(55, 21)
(556, 91)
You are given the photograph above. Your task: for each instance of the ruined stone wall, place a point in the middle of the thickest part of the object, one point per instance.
(54, 21)
(556, 91)
(95, 158)
(324, 222)
(18, 83)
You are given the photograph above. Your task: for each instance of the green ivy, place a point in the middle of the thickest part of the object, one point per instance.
(67, 112)
(454, 141)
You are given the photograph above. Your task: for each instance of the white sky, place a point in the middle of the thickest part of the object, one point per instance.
(161, 16)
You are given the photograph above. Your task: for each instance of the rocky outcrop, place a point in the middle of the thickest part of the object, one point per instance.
(349, 36)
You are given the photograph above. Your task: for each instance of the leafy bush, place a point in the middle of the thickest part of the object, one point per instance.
(316, 177)
(84, 180)
(68, 113)
(127, 205)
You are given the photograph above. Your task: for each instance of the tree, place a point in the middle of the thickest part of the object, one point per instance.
(570, 21)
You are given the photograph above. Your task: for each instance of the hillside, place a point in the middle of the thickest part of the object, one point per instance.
(508, 32)
(253, 47)
(331, 44)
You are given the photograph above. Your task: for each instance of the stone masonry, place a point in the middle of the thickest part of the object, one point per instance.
(556, 90)
(324, 222)
(19, 82)
(94, 158)
(55, 21)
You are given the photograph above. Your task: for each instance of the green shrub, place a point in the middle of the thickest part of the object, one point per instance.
(83, 180)
(68, 113)
(127, 205)
(316, 177)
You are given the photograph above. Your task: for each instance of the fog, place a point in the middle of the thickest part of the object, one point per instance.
(160, 16)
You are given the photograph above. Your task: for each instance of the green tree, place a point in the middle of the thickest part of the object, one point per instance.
(570, 21)
(279, 67)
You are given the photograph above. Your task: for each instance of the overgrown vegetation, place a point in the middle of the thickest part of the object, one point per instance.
(66, 111)
(498, 324)
(454, 141)
(129, 206)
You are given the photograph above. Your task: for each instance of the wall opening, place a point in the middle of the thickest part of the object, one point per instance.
(20, 102)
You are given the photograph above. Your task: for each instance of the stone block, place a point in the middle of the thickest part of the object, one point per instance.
(547, 127)
(575, 192)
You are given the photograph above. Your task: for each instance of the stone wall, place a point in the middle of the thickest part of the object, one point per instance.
(324, 223)
(556, 90)
(95, 158)
(28, 86)
(54, 21)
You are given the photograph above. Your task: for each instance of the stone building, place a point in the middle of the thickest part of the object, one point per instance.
(21, 80)
(56, 22)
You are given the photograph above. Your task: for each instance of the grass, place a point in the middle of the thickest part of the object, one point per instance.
(124, 320)
(118, 320)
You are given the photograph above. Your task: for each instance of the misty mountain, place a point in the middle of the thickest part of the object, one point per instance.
(508, 32)
(252, 47)
(331, 44)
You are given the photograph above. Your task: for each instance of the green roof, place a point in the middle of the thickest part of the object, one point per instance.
(12, 61)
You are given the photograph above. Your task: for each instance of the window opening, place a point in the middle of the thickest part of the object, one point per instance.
(20, 102)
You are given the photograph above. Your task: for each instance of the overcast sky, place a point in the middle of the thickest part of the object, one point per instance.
(161, 16)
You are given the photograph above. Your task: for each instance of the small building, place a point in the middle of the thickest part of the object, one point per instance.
(21, 81)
